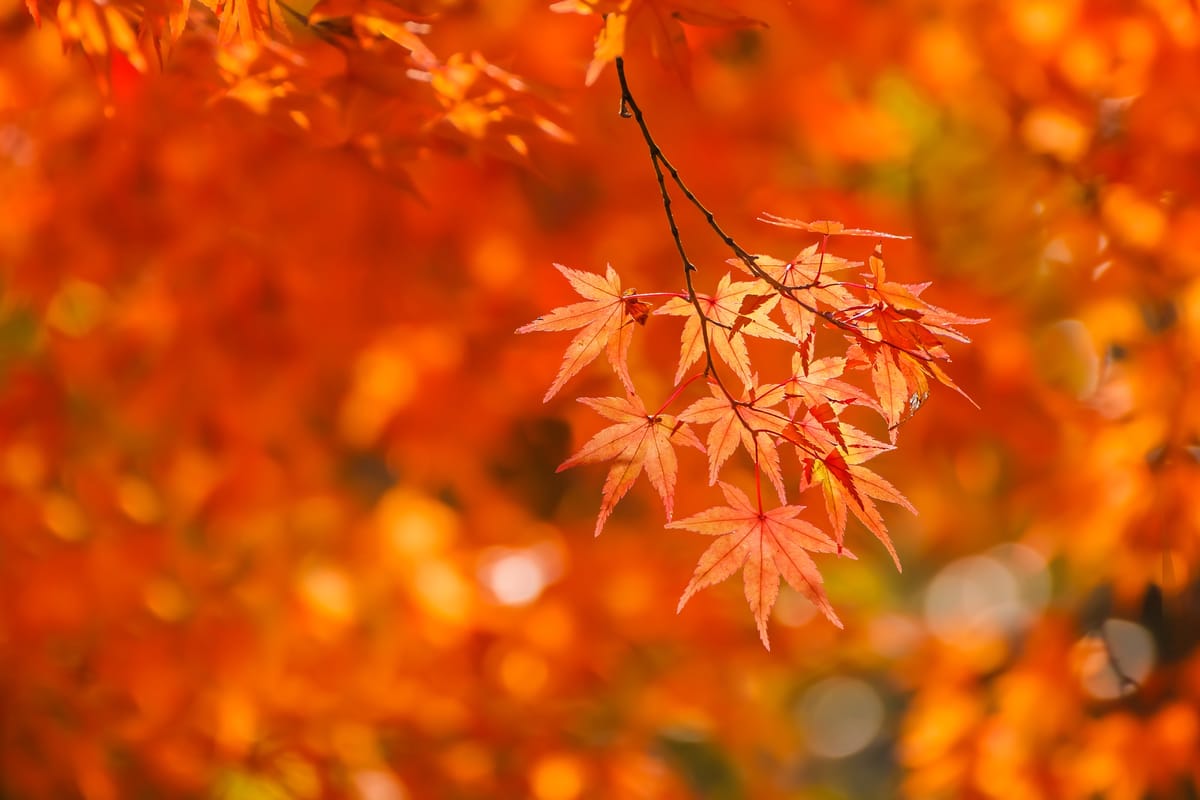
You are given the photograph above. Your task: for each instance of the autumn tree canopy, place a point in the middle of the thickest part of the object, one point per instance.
(287, 509)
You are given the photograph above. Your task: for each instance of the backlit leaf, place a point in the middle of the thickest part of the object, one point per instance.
(765, 545)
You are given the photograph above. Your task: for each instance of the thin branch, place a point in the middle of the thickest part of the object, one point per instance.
(630, 109)
(658, 160)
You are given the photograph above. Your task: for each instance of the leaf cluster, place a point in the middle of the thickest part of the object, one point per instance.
(358, 75)
(891, 336)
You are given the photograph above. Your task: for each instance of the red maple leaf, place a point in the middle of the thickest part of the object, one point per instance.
(766, 545)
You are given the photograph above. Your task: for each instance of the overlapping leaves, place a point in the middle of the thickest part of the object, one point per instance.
(352, 74)
(895, 341)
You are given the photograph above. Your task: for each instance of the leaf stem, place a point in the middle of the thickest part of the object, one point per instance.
(641, 295)
(678, 391)
(758, 476)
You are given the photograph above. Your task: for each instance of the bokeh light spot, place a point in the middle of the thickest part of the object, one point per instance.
(443, 591)
(77, 308)
(1042, 22)
(557, 777)
(792, 608)
(138, 500)
(415, 526)
(165, 599)
(972, 595)
(64, 517)
(327, 592)
(523, 673)
(840, 716)
(988, 595)
(1055, 132)
(1068, 359)
(384, 381)
(497, 261)
(372, 784)
(517, 577)
(1135, 220)
(24, 465)
(467, 762)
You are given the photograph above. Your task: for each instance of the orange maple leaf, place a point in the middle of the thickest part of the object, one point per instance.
(900, 337)
(748, 422)
(766, 545)
(819, 382)
(735, 311)
(636, 441)
(826, 227)
(657, 22)
(803, 275)
(913, 320)
(900, 381)
(606, 319)
(847, 485)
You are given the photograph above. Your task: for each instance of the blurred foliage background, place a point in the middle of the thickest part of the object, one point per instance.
(278, 511)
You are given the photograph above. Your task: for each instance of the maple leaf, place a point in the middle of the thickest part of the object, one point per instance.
(831, 456)
(900, 381)
(925, 322)
(371, 18)
(804, 270)
(657, 22)
(899, 337)
(610, 41)
(808, 292)
(610, 45)
(668, 42)
(100, 30)
(849, 486)
(736, 310)
(766, 545)
(825, 226)
(636, 441)
(747, 422)
(606, 318)
(245, 20)
(819, 382)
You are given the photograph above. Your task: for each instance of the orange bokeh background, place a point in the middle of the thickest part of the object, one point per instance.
(278, 507)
